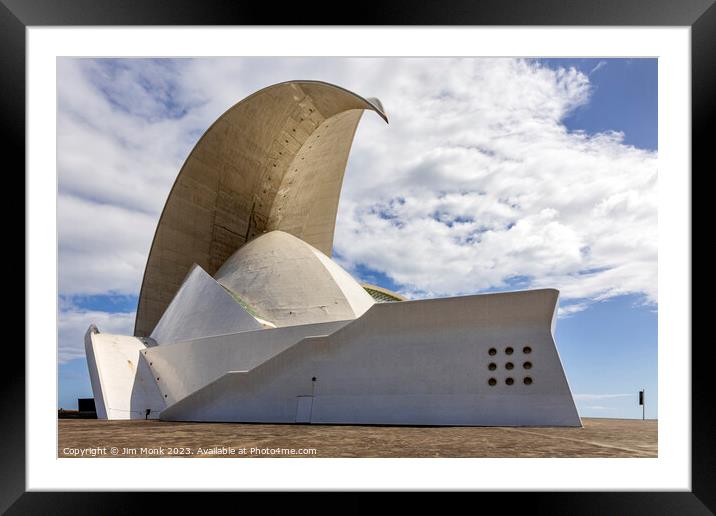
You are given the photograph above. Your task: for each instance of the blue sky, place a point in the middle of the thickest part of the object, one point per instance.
(625, 99)
(555, 161)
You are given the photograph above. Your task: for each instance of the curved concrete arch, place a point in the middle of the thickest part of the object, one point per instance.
(274, 161)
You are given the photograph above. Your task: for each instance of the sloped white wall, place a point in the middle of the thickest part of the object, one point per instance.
(202, 308)
(186, 367)
(414, 363)
(121, 379)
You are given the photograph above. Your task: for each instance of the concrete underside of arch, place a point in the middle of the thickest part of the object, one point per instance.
(274, 161)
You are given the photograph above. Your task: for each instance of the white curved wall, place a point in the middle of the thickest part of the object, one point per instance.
(289, 282)
(356, 295)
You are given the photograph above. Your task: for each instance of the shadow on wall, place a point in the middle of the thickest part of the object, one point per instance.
(144, 390)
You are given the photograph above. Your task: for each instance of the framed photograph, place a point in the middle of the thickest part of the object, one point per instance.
(440, 250)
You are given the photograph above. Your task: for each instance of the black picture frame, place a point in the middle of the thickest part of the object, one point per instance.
(700, 15)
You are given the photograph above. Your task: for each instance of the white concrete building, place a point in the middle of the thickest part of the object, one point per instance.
(243, 316)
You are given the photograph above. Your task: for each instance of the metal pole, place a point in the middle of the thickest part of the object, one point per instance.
(642, 402)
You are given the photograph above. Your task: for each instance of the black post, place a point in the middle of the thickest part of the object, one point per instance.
(641, 402)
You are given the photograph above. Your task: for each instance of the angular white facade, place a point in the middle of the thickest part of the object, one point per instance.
(202, 308)
(282, 334)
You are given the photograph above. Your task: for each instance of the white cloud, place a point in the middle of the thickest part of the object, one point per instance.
(102, 247)
(73, 323)
(475, 182)
(571, 309)
(600, 65)
(483, 184)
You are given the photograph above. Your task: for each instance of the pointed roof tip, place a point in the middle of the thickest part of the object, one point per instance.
(374, 102)
(378, 106)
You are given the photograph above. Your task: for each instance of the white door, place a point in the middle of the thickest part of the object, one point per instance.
(303, 409)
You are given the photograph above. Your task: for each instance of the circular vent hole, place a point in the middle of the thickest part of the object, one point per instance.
(527, 365)
(492, 382)
(492, 366)
(527, 350)
(528, 380)
(509, 350)
(509, 366)
(509, 381)
(492, 352)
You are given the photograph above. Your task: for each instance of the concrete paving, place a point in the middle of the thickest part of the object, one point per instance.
(598, 438)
